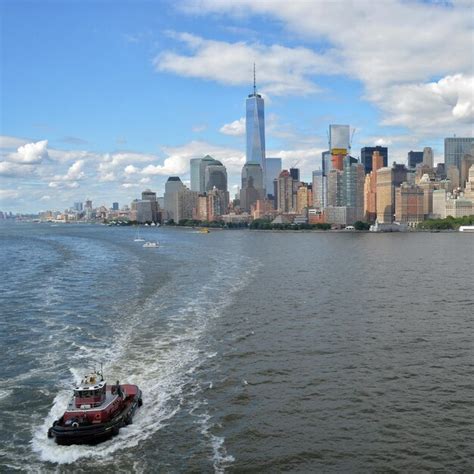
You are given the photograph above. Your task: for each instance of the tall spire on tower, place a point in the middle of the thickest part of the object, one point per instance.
(254, 81)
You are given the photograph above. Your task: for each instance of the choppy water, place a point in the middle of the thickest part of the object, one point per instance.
(256, 351)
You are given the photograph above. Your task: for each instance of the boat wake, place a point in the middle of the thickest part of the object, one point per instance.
(158, 348)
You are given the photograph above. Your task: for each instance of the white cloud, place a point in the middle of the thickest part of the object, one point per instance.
(69, 180)
(15, 170)
(107, 177)
(431, 107)
(235, 128)
(12, 142)
(281, 70)
(130, 169)
(407, 45)
(31, 153)
(66, 156)
(75, 171)
(9, 194)
(306, 159)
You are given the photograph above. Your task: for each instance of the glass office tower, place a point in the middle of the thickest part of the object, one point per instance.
(273, 170)
(255, 130)
(454, 149)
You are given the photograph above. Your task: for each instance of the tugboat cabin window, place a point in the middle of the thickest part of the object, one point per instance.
(88, 393)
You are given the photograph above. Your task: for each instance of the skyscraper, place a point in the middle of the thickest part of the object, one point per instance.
(252, 185)
(385, 195)
(150, 196)
(273, 169)
(295, 174)
(255, 128)
(215, 176)
(428, 156)
(366, 156)
(335, 188)
(286, 197)
(319, 200)
(195, 164)
(354, 175)
(198, 172)
(339, 139)
(370, 188)
(454, 149)
(172, 187)
(414, 157)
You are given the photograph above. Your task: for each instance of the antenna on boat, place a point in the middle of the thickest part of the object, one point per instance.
(101, 371)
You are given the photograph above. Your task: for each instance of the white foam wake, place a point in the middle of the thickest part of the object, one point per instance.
(161, 366)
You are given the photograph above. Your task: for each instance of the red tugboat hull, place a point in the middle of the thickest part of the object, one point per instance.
(93, 433)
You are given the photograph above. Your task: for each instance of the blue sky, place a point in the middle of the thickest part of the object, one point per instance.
(103, 100)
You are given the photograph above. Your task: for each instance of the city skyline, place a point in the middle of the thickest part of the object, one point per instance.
(111, 111)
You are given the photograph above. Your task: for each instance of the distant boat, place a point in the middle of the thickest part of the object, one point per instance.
(151, 245)
(137, 236)
(466, 228)
(204, 230)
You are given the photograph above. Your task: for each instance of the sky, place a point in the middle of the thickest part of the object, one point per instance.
(104, 99)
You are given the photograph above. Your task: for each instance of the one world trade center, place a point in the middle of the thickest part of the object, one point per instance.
(255, 128)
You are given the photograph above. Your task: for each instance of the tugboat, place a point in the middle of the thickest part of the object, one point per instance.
(96, 411)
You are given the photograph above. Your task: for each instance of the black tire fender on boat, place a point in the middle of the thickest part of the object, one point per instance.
(140, 402)
(115, 430)
(128, 419)
(50, 433)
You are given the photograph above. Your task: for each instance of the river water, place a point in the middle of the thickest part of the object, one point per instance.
(255, 351)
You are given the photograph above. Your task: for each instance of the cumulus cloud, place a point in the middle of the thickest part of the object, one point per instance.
(130, 169)
(69, 180)
(409, 44)
(430, 107)
(281, 70)
(31, 153)
(177, 161)
(235, 128)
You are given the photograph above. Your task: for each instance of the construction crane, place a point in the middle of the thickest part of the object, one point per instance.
(352, 137)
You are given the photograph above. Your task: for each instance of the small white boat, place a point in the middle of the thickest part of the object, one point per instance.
(151, 245)
(466, 228)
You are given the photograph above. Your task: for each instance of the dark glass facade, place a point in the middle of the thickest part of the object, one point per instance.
(414, 157)
(366, 156)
